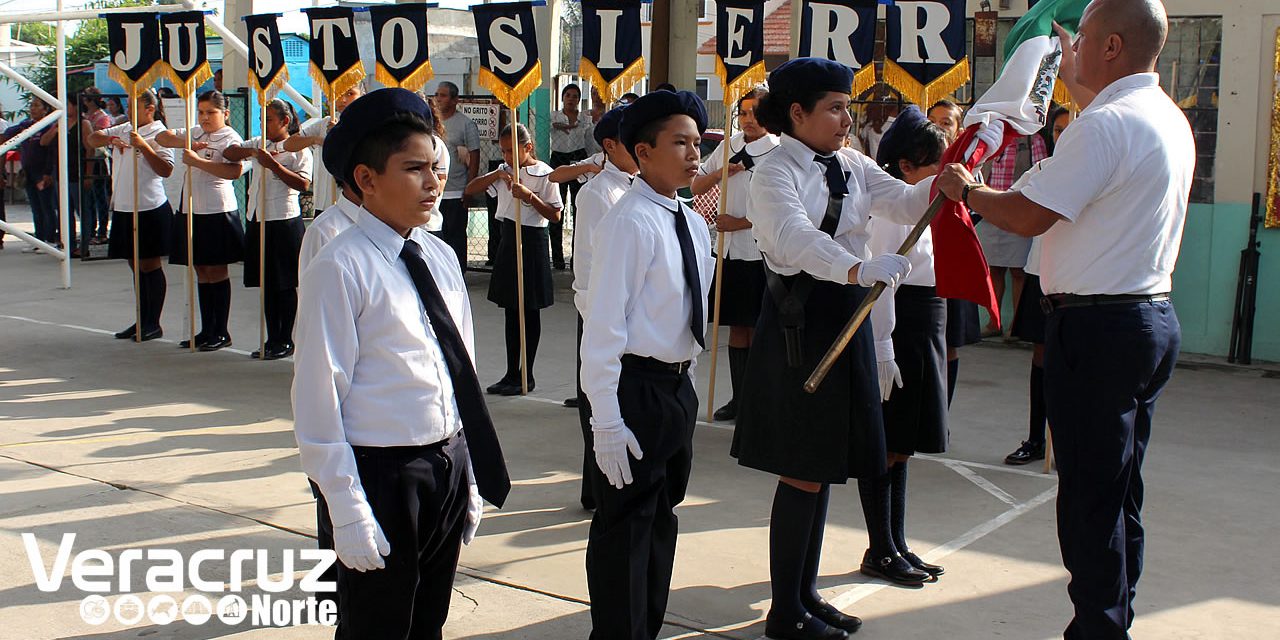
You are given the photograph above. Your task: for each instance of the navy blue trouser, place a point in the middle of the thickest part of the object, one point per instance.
(1105, 367)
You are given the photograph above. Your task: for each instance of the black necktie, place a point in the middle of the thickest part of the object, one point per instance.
(743, 158)
(687, 257)
(482, 441)
(836, 179)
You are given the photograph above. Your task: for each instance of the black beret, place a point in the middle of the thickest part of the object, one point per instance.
(607, 127)
(811, 74)
(899, 134)
(362, 117)
(656, 106)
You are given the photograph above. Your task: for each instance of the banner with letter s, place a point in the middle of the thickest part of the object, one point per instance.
(509, 64)
(266, 55)
(925, 58)
(612, 57)
(400, 45)
(844, 31)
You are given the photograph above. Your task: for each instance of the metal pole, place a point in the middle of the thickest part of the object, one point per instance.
(715, 323)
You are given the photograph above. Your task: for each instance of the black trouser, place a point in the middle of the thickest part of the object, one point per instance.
(584, 420)
(568, 196)
(632, 546)
(1105, 367)
(419, 497)
(280, 309)
(453, 228)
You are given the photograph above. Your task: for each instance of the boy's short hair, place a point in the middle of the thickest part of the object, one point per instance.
(644, 119)
(384, 141)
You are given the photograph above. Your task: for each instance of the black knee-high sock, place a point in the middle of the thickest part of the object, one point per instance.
(532, 334)
(288, 310)
(143, 291)
(208, 323)
(737, 369)
(155, 285)
(1035, 431)
(513, 345)
(271, 313)
(898, 505)
(809, 580)
(953, 371)
(875, 508)
(222, 307)
(790, 527)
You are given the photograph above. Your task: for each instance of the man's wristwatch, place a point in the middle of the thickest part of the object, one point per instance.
(964, 193)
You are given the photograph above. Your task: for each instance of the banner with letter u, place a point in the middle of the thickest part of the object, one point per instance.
(612, 57)
(133, 42)
(925, 58)
(400, 45)
(739, 46)
(844, 31)
(335, 56)
(267, 72)
(509, 64)
(183, 49)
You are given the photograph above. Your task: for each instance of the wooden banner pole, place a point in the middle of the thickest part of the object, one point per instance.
(715, 323)
(515, 181)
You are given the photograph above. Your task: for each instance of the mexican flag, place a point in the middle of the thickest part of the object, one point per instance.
(1017, 104)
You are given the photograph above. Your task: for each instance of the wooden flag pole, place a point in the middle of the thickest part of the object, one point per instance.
(715, 323)
(137, 273)
(860, 314)
(191, 217)
(262, 238)
(515, 181)
(1048, 447)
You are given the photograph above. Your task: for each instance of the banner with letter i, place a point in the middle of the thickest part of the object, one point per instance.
(183, 49)
(133, 41)
(335, 56)
(739, 46)
(509, 64)
(844, 31)
(400, 45)
(267, 72)
(612, 50)
(925, 57)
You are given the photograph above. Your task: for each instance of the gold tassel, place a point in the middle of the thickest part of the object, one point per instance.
(1060, 93)
(510, 96)
(349, 78)
(904, 83)
(118, 74)
(947, 83)
(743, 84)
(273, 84)
(863, 80)
(384, 76)
(588, 70)
(201, 75)
(419, 77)
(628, 78)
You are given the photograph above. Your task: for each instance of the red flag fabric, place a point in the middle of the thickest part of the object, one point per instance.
(959, 264)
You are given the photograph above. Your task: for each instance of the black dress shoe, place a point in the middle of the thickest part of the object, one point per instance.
(152, 333)
(893, 569)
(915, 561)
(728, 412)
(215, 343)
(515, 390)
(500, 386)
(1028, 452)
(834, 617)
(274, 352)
(201, 338)
(571, 403)
(126, 334)
(807, 628)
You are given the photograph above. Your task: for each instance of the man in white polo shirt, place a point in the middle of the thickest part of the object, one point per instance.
(1111, 203)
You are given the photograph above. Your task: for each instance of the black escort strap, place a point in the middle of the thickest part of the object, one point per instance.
(791, 302)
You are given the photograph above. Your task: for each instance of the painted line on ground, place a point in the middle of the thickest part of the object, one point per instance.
(983, 483)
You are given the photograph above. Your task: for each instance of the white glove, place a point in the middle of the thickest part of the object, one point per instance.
(360, 545)
(611, 447)
(992, 133)
(890, 377)
(889, 268)
(475, 509)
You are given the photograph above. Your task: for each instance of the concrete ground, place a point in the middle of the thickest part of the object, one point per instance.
(148, 447)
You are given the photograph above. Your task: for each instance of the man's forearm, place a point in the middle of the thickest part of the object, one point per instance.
(1011, 211)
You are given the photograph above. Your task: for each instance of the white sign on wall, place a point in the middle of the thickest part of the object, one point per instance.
(484, 114)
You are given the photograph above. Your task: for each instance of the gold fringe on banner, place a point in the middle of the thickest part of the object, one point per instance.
(415, 81)
(620, 85)
(349, 78)
(743, 84)
(921, 94)
(863, 79)
(131, 87)
(201, 75)
(511, 97)
(1060, 93)
(276, 81)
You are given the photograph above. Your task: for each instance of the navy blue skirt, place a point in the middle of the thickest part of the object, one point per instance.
(1028, 318)
(915, 416)
(217, 238)
(154, 234)
(741, 295)
(539, 291)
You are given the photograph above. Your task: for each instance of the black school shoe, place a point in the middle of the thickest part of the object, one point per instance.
(274, 352)
(914, 560)
(894, 569)
(809, 627)
(215, 343)
(201, 338)
(728, 412)
(514, 389)
(1028, 452)
(834, 617)
(147, 334)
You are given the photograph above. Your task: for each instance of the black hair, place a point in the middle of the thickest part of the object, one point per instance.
(1047, 132)
(628, 97)
(450, 87)
(383, 141)
(214, 97)
(944, 103)
(522, 137)
(648, 134)
(666, 86)
(166, 92)
(151, 99)
(773, 111)
(569, 86)
(284, 109)
(921, 147)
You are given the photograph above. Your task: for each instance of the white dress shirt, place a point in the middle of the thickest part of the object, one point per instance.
(638, 301)
(789, 200)
(150, 185)
(1120, 177)
(739, 245)
(568, 141)
(369, 370)
(596, 158)
(281, 199)
(443, 161)
(533, 177)
(339, 217)
(209, 193)
(594, 201)
(324, 191)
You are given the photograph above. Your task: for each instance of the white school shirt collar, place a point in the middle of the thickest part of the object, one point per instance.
(348, 208)
(642, 187)
(799, 152)
(384, 238)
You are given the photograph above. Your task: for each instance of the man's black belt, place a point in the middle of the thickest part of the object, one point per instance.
(1057, 301)
(654, 364)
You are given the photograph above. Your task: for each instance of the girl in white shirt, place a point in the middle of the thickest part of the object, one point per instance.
(217, 233)
(538, 202)
(287, 174)
(155, 163)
